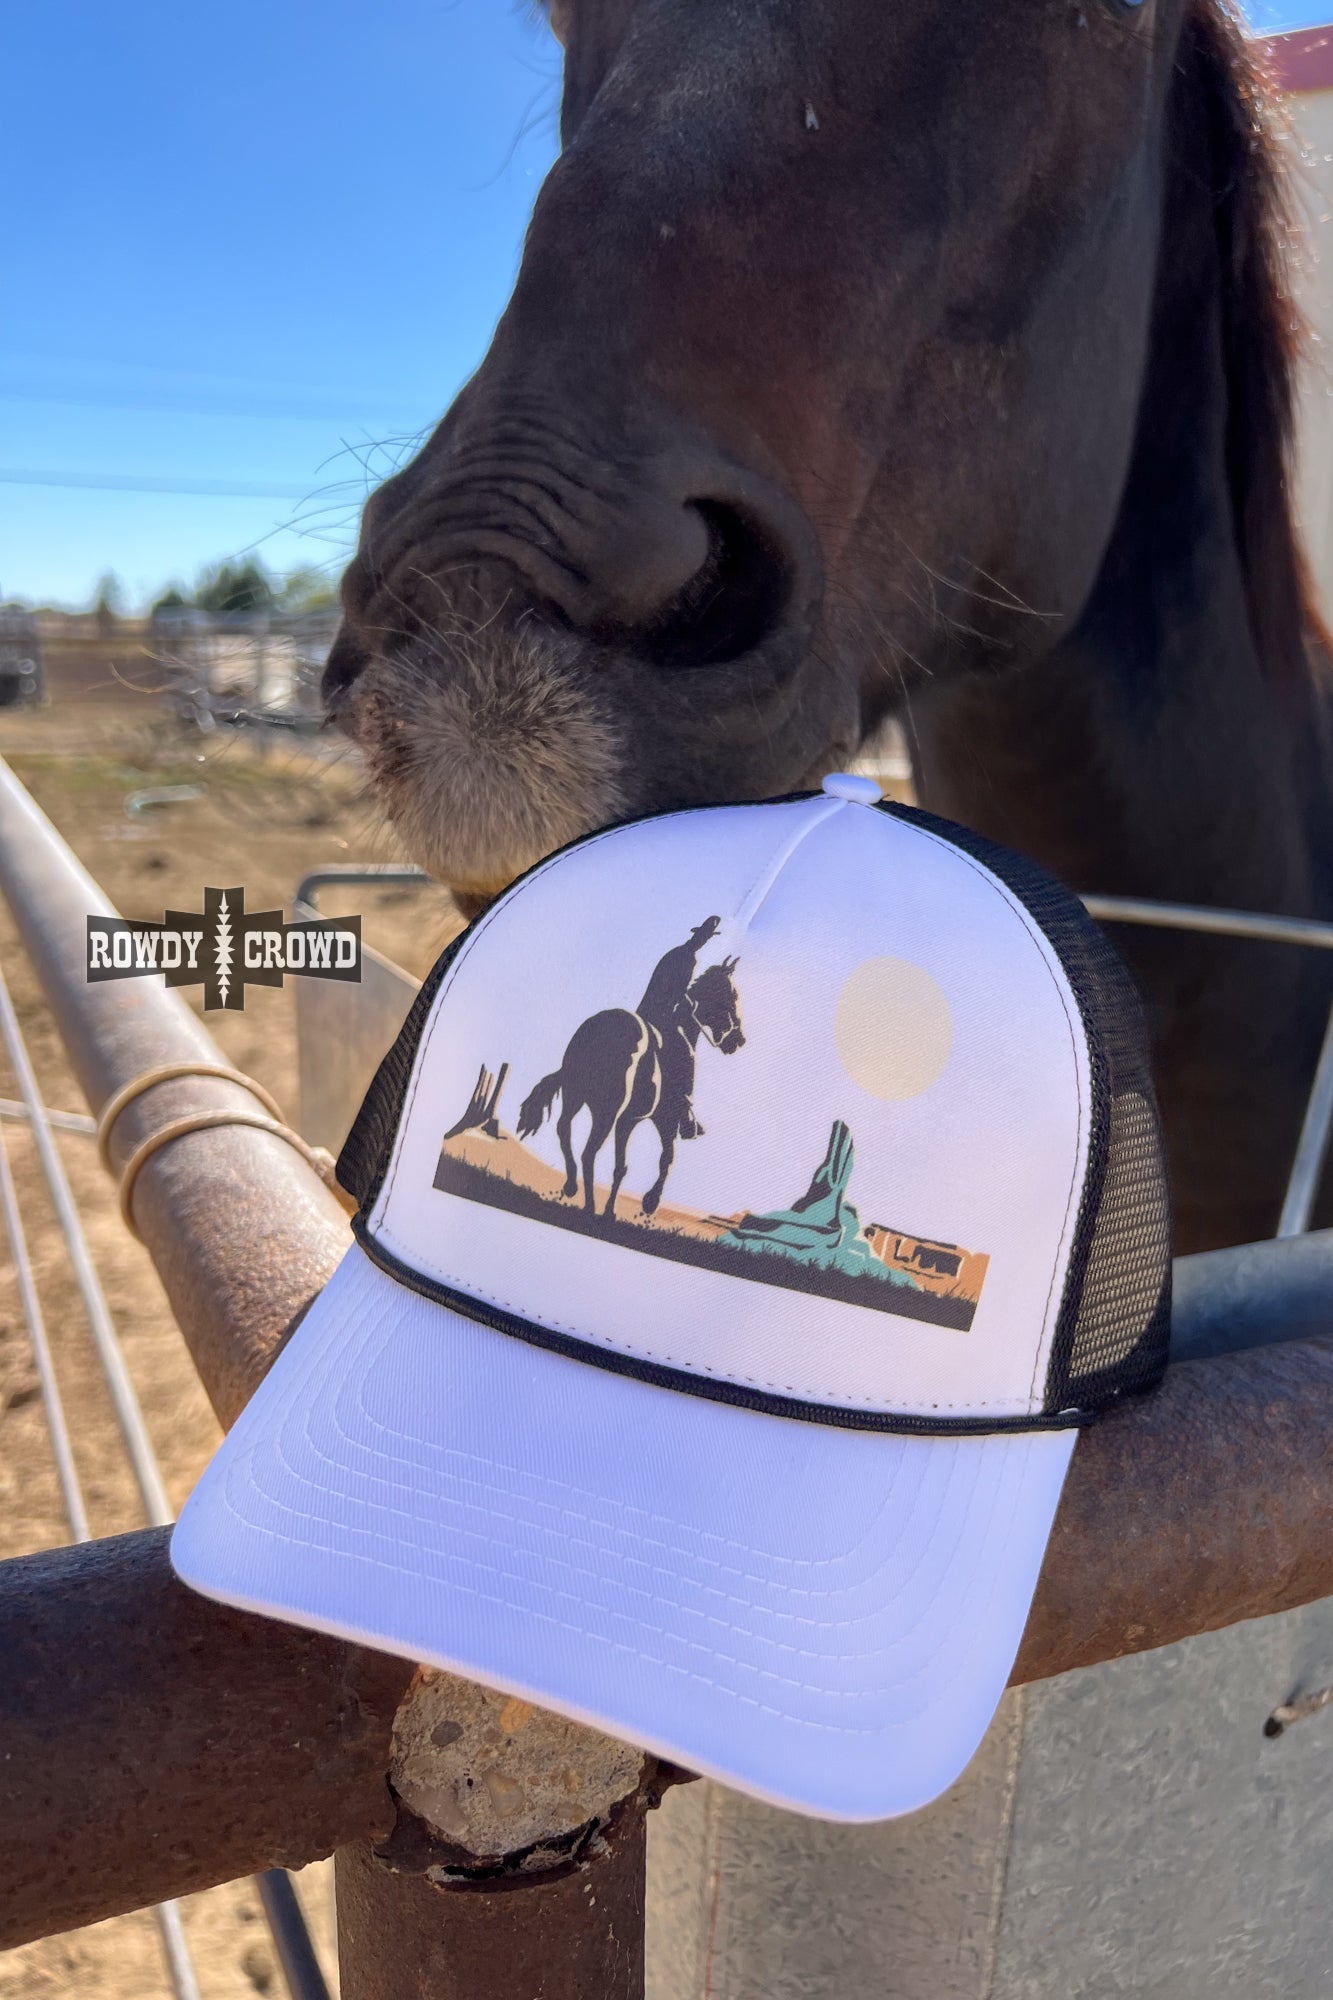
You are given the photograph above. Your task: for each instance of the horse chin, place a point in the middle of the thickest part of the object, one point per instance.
(485, 756)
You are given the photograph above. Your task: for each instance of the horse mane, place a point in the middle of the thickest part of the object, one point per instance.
(712, 975)
(1226, 86)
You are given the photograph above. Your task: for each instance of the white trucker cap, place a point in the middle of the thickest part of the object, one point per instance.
(755, 1202)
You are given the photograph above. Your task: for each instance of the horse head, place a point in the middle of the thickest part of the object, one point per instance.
(716, 1006)
(821, 384)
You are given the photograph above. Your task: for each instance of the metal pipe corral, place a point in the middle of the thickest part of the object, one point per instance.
(243, 1234)
(537, 1939)
(151, 1736)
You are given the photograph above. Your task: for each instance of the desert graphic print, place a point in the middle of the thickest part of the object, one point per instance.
(625, 1068)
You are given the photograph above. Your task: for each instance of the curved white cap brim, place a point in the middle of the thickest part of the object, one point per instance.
(823, 1618)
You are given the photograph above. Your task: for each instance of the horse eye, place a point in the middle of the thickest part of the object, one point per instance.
(557, 16)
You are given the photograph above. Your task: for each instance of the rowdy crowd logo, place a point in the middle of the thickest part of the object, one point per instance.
(225, 949)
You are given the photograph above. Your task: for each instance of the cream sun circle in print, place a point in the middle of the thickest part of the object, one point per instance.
(894, 1028)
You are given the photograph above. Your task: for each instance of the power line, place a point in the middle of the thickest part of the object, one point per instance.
(119, 482)
(194, 403)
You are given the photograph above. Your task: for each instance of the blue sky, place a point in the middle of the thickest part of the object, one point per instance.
(252, 247)
(249, 253)
(1275, 17)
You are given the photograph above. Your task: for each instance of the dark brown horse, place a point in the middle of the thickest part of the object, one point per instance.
(865, 358)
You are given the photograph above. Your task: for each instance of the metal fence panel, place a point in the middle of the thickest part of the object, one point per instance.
(1162, 1844)
(1127, 1829)
(342, 1031)
(749, 1903)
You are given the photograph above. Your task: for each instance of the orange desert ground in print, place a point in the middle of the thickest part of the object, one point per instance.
(900, 1273)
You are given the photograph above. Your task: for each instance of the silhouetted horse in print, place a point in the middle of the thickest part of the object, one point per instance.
(624, 1070)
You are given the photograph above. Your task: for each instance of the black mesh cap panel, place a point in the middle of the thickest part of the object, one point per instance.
(1115, 1318)
(364, 1159)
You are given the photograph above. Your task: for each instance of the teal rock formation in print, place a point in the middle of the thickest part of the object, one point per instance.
(823, 1228)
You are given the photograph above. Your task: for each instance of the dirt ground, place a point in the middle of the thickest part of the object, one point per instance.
(266, 815)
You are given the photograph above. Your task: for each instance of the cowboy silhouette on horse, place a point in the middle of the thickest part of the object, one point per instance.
(663, 1003)
(627, 1067)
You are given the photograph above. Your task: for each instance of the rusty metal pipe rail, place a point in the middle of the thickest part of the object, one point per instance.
(1312, 1146)
(134, 1773)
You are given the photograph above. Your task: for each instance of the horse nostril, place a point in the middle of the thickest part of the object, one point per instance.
(731, 604)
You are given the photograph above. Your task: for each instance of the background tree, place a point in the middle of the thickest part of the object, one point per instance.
(233, 585)
(230, 587)
(308, 589)
(108, 602)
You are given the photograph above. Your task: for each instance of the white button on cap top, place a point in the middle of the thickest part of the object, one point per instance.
(847, 785)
